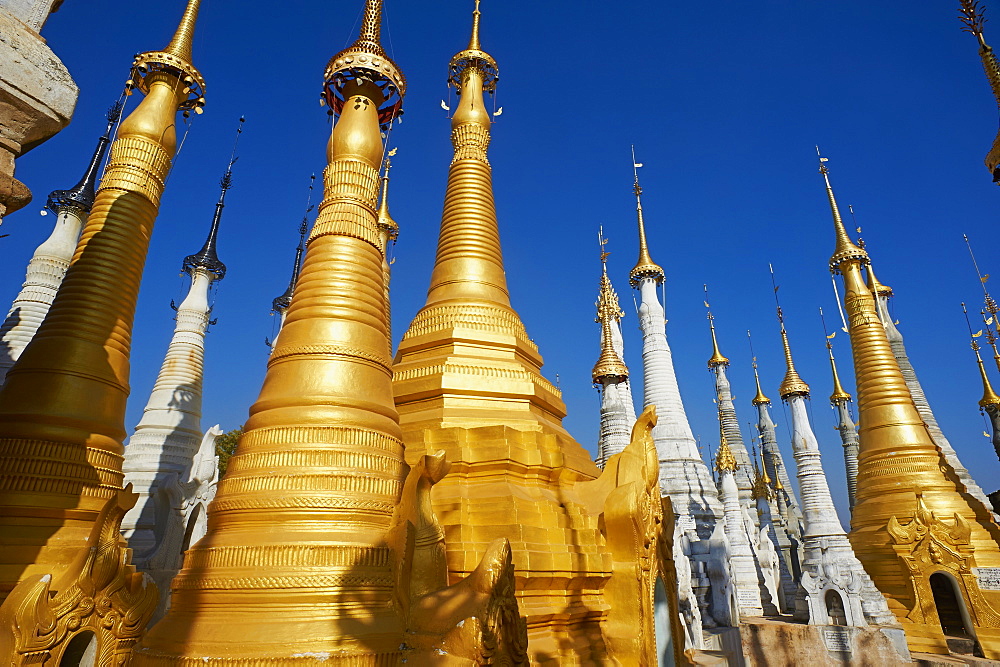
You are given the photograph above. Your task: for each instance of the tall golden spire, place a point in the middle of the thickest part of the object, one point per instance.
(467, 379)
(609, 365)
(991, 323)
(717, 358)
(644, 267)
(839, 394)
(846, 249)
(320, 460)
(386, 224)
(759, 398)
(180, 44)
(762, 481)
(971, 14)
(990, 397)
(910, 518)
(467, 335)
(62, 408)
(792, 385)
(876, 287)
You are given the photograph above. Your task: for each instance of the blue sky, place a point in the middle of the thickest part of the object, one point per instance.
(724, 104)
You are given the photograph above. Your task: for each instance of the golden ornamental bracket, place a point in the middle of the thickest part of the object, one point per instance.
(100, 592)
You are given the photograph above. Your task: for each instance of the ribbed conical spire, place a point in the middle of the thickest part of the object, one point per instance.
(990, 397)
(81, 195)
(182, 41)
(644, 266)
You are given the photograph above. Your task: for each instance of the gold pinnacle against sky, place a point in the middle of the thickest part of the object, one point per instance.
(913, 526)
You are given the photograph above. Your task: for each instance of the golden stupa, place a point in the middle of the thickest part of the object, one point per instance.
(65, 580)
(467, 379)
(914, 526)
(322, 544)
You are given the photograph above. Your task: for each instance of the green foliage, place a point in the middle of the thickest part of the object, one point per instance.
(225, 447)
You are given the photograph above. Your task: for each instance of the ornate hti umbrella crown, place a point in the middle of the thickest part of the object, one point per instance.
(760, 398)
(283, 301)
(609, 365)
(207, 258)
(724, 459)
(846, 250)
(81, 196)
(645, 267)
(474, 57)
(385, 221)
(365, 60)
(175, 60)
(792, 385)
(717, 359)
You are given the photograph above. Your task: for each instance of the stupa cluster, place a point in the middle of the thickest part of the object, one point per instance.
(428, 506)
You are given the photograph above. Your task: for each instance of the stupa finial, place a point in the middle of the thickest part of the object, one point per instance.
(207, 258)
(717, 358)
(792, 385)
(645, 267)
(81, 195)
(760, 398)
(846, 249)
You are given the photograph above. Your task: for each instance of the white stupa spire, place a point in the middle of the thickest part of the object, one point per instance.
(834, 587)
(683, 474)
(610, 373)
(51, 259)
(169, 460)
(742, 563)
(718, 364)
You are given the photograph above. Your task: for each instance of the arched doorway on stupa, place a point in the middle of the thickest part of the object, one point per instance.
(953, 615)
(81, 651)
(835, 609)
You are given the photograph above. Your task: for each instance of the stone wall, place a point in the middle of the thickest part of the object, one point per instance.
(37, 93)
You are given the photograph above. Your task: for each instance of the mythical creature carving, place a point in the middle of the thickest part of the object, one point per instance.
(476, 620)
(99, 592)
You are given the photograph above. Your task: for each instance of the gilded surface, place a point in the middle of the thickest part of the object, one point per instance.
(467, 380)
(319, 516)
(99, 593)
(904, 487)
(62, 410)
